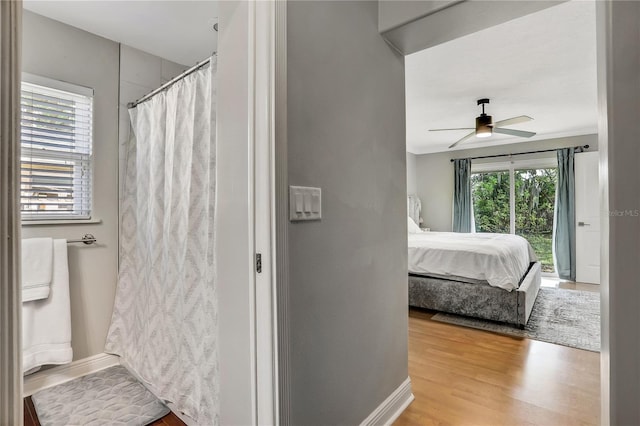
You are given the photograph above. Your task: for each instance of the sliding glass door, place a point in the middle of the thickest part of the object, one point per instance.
(517, 198)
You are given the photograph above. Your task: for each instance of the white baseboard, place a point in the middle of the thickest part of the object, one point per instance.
(392, 407)
(63, 373)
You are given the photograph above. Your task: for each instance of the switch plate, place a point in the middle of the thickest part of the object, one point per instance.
(305, 203)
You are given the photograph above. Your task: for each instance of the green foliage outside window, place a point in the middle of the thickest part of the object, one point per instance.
(491, 201)
(535, 200)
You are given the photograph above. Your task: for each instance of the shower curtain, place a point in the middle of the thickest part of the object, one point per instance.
(164, 323)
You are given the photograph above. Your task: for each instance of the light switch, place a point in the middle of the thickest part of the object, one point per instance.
(298, 198)
(305, 203)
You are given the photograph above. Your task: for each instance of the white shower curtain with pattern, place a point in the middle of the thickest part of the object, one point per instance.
(164, 323)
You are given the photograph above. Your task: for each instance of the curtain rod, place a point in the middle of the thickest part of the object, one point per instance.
(581, 148)
(171, 82)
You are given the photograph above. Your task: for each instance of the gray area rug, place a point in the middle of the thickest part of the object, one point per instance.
(564, 317)
(108, 397)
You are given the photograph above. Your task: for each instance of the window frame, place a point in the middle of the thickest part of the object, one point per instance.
(34, 218)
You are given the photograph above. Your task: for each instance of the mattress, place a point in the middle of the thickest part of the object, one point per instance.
(501, 260)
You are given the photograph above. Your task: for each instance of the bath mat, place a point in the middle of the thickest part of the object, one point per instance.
(111, 396)
(564, 317)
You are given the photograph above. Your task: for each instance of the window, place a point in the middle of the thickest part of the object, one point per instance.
(56, 141)
(517, 198)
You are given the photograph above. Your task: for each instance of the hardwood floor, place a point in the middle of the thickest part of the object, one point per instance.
(569, 285)
(463, 376)
(31, 418)
(168, 420)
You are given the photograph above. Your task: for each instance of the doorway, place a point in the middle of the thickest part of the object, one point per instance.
(507, 198)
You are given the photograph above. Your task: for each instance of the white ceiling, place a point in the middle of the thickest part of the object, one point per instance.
(181, 31)
(542, 65)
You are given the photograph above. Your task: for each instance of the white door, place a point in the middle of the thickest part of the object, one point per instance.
(587, 218)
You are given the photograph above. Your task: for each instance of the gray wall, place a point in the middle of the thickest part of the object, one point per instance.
(434, 186)
(55, 50)
(434, 174)
(411, 173)
(348, 272)
(619, 130)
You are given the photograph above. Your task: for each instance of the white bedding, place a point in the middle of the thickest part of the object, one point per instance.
(500, 259)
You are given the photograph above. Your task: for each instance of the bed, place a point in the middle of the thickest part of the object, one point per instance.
(489, 276)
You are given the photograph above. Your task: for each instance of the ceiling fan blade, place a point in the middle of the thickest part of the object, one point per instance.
(470, 135)
(513, 120)
(457, 128)
(513, 132)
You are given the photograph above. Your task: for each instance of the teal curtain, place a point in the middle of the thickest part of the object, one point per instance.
(564, 238)
(462, 206)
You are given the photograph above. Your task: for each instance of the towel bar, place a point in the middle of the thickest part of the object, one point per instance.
(86, 238)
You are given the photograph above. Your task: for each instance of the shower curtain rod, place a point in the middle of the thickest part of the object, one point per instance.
(581, 148)
(171, 82)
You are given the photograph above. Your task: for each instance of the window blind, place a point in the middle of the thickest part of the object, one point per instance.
(56, 162)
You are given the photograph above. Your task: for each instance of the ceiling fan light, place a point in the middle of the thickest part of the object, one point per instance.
(483, 126)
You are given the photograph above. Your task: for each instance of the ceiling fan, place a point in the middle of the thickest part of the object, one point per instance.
(485, 126)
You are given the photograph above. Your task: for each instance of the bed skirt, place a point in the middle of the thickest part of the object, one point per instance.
(477, 300)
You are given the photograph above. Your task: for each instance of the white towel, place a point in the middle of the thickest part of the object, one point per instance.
(37, 266)
(46, 324)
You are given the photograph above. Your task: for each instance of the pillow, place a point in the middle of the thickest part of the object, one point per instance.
(412, 228)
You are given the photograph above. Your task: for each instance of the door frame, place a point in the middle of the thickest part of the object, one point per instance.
(618, 102)
(262, 62)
